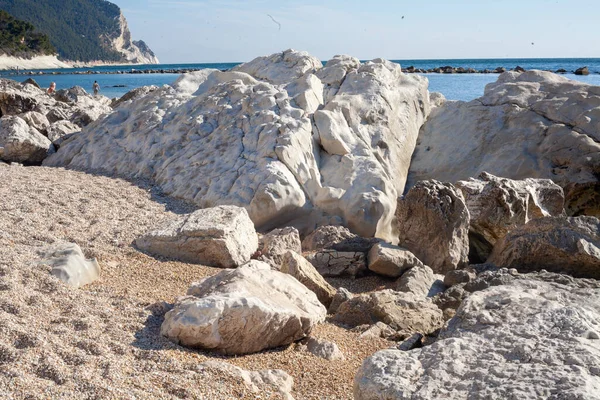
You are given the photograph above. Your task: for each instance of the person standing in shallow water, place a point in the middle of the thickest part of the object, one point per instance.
(96, 88)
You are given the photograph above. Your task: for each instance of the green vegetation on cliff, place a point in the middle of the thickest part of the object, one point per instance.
(81, 30)
(20, 39)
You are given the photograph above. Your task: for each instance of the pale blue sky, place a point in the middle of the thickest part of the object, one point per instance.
(188, 31)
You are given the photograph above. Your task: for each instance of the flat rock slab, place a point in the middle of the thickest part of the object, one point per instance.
(243, 311)
(526, 340)
(332, 263)
(222, 236)
(70, 265)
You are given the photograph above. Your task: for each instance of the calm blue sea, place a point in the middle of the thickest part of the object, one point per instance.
(453, 86)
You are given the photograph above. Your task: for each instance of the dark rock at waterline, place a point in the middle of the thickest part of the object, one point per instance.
(561, 71)
(500, 70)
(519, 69)
(31, 81)
(582, 71)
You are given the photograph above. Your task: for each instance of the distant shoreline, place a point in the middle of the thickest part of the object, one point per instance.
(409, 70)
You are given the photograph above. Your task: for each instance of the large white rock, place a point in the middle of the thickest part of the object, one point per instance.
(245, 310)
(527, 125)
(246, 137)
(70, 265)
(528, 340)
(433, 221)
(497, 205)
(221, 236)
(22, 143)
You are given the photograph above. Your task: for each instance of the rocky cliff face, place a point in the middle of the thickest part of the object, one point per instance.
(136, 52)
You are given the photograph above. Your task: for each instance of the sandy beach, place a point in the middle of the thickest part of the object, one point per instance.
(40, 62)
(103, 341)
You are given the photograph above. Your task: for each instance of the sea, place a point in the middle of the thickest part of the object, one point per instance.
(464, 87)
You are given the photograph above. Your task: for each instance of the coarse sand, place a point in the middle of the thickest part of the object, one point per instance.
(103, 341)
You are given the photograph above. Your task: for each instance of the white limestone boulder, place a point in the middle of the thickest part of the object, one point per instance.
(529, 339)
(368, 131)
(18, 98)
(527, 125)
(497, 205)
(297, 266)
(242, 311)
(335, 72)
(392, 261)
(69, 264)
(245, 137)
(221, 236)
(433, 221)
(22, 143)
(564, 245)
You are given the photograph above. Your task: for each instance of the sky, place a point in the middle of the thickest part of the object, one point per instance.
(204, 31)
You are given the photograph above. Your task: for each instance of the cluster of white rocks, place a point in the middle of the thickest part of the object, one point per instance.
(33, 123)
(465, 228)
